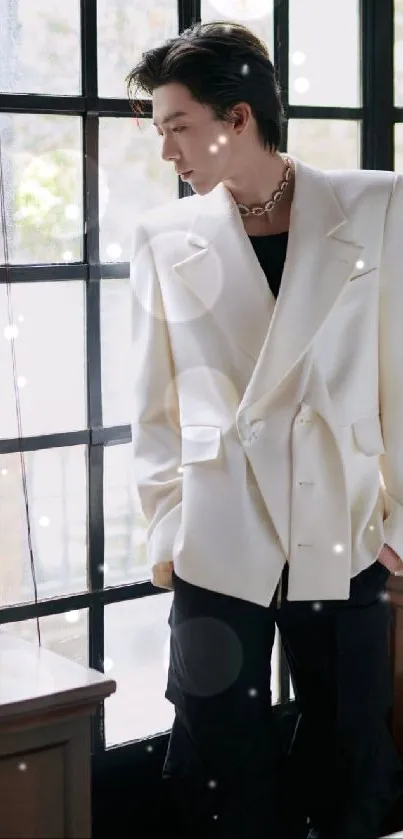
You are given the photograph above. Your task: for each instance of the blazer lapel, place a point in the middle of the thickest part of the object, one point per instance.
(223, 272)
(319, 262)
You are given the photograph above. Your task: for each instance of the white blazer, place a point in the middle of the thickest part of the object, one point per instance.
(269, 431)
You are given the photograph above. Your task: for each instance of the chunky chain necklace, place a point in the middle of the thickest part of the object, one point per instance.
(275, 197)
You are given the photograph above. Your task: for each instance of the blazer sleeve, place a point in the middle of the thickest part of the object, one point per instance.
(391, 367)
(155, 425)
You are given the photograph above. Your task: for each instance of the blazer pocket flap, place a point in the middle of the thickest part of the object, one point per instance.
(200, 442)
(368, 435)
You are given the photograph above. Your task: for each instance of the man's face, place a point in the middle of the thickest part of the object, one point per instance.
(193, 140)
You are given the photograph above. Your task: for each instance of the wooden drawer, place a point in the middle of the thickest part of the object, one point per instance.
(32, 795)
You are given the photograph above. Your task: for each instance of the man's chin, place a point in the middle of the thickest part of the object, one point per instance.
(201, 187)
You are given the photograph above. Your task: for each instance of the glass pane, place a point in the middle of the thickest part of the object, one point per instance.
(56, 488)
(65, 634)
(133, 177)
(49, 341)
(327, 144)
(116, 351)
(136, 656)
(318, 74)
(125, 528)
(399, 147)
(42, 164)
(125, 30)
(257, 15)
(40, 47)
(399, 52)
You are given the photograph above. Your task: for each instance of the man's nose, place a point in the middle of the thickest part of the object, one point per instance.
(169, 150)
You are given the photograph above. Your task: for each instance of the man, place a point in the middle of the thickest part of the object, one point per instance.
(268, 403)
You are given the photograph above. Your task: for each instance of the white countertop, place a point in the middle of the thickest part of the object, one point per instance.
(37, 678)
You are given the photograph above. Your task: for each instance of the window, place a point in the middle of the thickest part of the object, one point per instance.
(76, 170)
(323, 73)
(258, 15)
(399, 148)
(398, 89)
(399, 52)
(327, 143)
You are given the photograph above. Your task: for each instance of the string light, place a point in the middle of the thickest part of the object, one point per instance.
(17, 381)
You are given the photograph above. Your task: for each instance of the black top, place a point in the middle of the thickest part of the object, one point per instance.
(271, 251)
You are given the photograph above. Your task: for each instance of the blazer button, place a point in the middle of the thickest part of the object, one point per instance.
(305, 414)
(257, 426)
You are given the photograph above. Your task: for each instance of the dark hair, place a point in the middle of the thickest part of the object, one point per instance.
(222, 64)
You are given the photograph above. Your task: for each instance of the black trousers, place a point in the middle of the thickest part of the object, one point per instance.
(226, 764)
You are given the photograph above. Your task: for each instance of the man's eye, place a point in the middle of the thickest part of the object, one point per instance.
(178, 129)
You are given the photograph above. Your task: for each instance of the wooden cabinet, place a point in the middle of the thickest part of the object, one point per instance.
(46, 705)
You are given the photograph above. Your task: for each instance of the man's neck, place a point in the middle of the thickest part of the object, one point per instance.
(255, 185)
(261, 226)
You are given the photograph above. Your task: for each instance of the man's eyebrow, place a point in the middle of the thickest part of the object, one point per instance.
(170, 117)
